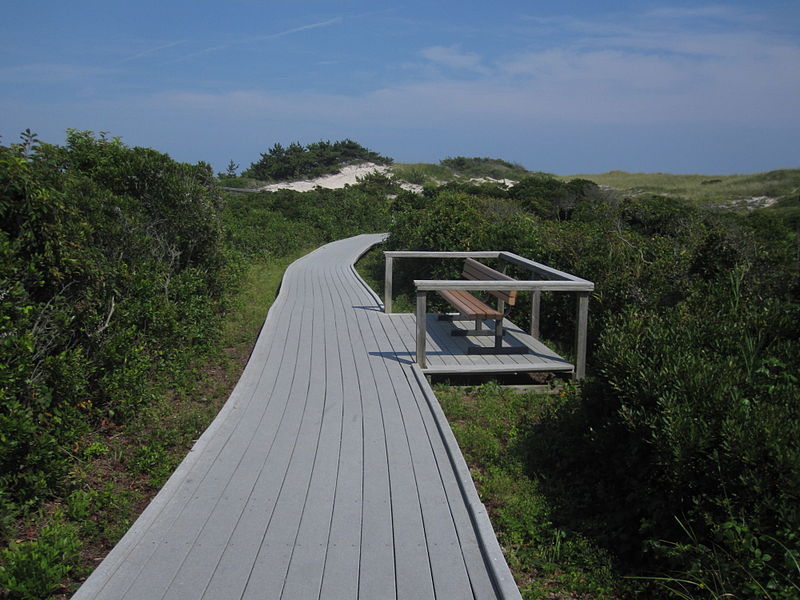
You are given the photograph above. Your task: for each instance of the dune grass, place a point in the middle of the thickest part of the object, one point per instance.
(422, 173)
(702, 189)
(459, 168)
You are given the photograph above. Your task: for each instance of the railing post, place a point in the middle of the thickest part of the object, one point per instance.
(581, 326)
(422, 326)
(387, 286)
(536, 303)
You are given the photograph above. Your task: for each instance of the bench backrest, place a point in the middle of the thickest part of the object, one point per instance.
(475, 270)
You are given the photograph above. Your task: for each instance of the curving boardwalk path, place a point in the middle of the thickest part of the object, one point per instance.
(330, 473)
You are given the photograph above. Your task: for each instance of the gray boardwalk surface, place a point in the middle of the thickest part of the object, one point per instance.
(448, 354)
(329, 473)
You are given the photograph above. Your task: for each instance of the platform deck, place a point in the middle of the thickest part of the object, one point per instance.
(449, 354)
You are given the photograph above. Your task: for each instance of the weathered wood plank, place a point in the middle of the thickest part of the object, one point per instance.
(341, 571)
(304, 577)
(479, 271)
(413, 571)
(236, 565)
(377, 558)
(466, 303)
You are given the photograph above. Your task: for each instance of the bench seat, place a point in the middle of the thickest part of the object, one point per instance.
(467, 304)
(472, 308)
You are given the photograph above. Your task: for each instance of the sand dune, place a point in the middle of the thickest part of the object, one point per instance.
(349, 175)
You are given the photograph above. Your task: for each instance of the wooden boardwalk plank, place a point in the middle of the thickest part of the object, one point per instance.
(413, 572)
(307, 562)
(342, 563)
(326, 475)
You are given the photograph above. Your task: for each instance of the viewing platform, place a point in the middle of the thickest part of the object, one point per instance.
(433, 341)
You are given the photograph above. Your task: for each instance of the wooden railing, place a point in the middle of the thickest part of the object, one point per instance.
(543, 279)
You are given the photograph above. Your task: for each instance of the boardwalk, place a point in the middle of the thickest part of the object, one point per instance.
(330, 472)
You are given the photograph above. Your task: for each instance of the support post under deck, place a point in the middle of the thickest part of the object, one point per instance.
(581, 327)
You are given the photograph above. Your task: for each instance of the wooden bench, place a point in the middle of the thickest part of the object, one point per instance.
(472, 308)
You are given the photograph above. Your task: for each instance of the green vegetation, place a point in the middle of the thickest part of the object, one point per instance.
(305, 162)
(132, 290)
(34, 569)
(422, 173)
(131, 293)
(680, 455)
(495, 428)
(704, 189)
(111, 266)
(242, 183)
(496, 168)
(457, 169)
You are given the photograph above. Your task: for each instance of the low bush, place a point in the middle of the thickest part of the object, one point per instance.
(32, 570)
(496, 168)
(320, 158)
(549, 559)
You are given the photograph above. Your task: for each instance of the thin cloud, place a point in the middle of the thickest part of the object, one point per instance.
(696, 12)
(153, 50)
(251, 40)
(298, 29)
(453, 57)
(198, 53)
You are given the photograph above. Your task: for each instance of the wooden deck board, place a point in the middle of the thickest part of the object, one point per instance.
(448, 354)
(326, 474)
(377, 575)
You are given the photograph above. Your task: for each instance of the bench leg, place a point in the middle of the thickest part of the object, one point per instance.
(478, 331)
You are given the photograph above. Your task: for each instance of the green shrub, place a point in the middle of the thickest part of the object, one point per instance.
(320, 158)
(689, 421)
(112, 274)
(495, 168)
(32, 570)
(551, 198)
(492, 425)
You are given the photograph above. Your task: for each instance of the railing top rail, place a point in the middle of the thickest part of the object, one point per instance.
(539, 268)
(515, 259)
(427, 285)
(431, 254)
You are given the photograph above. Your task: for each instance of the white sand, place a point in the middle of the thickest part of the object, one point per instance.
(349, 175)
(505, 182)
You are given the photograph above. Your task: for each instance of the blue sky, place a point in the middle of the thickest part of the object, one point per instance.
(559, 86)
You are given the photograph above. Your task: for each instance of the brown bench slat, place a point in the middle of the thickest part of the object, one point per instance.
(469, 305)
(477, 271)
